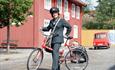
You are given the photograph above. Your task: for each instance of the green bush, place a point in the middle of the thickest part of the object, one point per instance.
(97, 25)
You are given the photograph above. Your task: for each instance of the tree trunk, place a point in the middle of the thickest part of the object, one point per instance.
(8, 27)
(8, 38)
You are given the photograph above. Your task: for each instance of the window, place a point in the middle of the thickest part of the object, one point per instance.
(59, 5)
(47, 4)
(100, 36)
(46, 23)
(65, 5)
(75, 33)
(65, 30)
(66, 13)
(77, 12)
(73, 10)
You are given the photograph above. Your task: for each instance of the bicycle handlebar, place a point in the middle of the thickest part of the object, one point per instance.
(69, 37)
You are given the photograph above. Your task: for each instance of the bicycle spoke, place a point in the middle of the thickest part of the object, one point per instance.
(76, 61)
(35, 59)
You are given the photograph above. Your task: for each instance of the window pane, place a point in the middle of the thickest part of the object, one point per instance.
(47, 4)
(75, 34)
(77, 12)
(65, 6)
(59, 5)
(73, 10)
(46, 23)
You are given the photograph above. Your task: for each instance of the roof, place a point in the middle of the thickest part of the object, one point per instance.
(79, 2)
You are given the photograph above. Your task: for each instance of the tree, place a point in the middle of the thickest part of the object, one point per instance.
(13, 11)
(105, 11)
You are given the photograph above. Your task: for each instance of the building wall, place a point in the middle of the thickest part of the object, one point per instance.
(22, 36)
(44, 14)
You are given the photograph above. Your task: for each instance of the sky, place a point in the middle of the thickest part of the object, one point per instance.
(93, 4)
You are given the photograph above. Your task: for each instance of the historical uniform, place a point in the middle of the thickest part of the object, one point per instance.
(57, 39)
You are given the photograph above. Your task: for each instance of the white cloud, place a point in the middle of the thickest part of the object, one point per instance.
(94, 2)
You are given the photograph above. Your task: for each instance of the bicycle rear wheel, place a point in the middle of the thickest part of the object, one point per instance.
(35, 59)
(76, 60)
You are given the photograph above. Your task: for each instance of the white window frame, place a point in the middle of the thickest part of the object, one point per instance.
(75, 31)
(47, 4)
(67, 16)
(59, 5)
(45, 24)
(65, 6)
(64, 32)
(77, 12)
(73, 11)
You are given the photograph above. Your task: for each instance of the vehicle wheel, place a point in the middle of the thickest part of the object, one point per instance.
(35, 59)
(76, 61)
(108, 46)
(95, 48)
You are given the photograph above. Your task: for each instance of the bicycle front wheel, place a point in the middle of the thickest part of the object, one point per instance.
(35, 59)
(76, 60)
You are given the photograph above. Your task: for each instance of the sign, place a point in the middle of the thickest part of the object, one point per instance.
(111, 34)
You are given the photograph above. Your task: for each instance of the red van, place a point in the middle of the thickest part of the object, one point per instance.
(101, 40)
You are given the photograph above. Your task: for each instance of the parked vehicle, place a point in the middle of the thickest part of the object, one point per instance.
(101, 39)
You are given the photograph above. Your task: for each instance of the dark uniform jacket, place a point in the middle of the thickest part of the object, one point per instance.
(58, 33)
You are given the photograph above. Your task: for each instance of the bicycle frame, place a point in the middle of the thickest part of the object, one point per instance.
(68, 45)
(62, 58)
(44, 44)
(49, 48)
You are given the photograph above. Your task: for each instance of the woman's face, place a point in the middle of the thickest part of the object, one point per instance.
(55, 15)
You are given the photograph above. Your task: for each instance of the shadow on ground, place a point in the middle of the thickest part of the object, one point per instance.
(100, 48)
(43, 69)
(11, 52)
(112, 68)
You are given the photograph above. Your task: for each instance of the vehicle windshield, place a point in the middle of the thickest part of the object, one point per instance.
(100, 36)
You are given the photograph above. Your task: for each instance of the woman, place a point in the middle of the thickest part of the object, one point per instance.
(58, 37)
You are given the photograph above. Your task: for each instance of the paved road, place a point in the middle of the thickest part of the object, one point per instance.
(102, 59)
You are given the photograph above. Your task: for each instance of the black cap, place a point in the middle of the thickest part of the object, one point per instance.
(54, 10)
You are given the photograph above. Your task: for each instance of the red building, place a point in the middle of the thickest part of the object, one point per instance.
(29, 35)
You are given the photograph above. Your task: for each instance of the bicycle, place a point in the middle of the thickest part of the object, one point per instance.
(75, 58)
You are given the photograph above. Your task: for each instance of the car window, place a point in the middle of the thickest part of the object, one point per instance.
(100, 36)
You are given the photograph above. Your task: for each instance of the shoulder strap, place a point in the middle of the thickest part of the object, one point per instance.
(55, 25)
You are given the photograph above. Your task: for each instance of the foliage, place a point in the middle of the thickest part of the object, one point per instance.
(14, 11)
(104, 16)
(97, 25)
(105, 10)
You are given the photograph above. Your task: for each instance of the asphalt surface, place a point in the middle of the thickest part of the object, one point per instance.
(101, 59)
